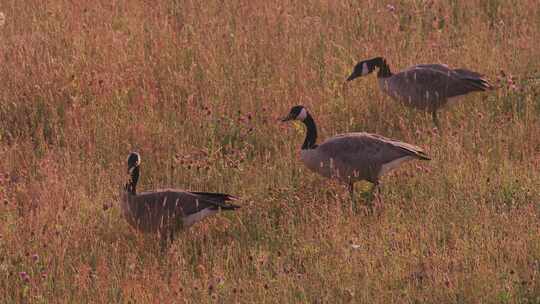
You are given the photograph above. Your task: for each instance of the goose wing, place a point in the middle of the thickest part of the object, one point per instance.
(435, 82)
(172, 201)
(475, 78)
(443, 68)
(219, 200)
(365, 150)
(438, 67)
(468, 74)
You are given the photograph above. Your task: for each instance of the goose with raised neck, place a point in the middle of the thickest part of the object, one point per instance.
(352, 157)
(169, 210)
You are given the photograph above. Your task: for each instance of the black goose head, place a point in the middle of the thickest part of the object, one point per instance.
(296, 113)
(366, 67)
(134, 160)
(301, 113)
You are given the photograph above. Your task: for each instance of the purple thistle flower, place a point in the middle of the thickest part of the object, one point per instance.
(24, 276)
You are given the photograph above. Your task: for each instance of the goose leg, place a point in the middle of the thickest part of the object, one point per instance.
(376, 190)
(436, 119)
(171, 236)
(166, 233)
(374, 194)
(163, 241)
(351, 192)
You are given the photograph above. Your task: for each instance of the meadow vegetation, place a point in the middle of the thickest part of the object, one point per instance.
(197, 88)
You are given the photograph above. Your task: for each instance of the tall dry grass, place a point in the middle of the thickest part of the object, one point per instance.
(197, 87)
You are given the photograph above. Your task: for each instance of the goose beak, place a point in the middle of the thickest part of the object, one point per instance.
(286, 118)
(353, 76)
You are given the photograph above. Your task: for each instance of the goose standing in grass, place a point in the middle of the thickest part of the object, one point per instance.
(167, 211)
(352, 157)
(425, 86)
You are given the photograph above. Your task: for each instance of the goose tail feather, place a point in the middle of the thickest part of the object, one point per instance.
(220, 199)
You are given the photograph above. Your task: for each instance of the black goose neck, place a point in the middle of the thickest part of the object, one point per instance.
(131, 186)
(311, 133)
(384, 69)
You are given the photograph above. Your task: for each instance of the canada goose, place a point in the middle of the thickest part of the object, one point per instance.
(425, 86)
(167, 211)
(352, 157)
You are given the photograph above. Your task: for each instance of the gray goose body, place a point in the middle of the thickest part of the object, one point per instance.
(167, 211)
(425, 86)
(171, 208)
(352, 157)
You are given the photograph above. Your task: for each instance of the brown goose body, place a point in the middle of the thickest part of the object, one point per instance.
(425, 87)
(169, 210)
(353, 157)
(430, 86)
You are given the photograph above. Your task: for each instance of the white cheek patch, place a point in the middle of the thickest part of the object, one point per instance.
(302, 115)
(365, 69)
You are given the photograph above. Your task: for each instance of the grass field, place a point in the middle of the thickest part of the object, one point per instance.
(197, 88)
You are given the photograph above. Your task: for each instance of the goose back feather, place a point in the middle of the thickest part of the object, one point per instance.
(429, 86)
(170, 208)
(359, 156)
